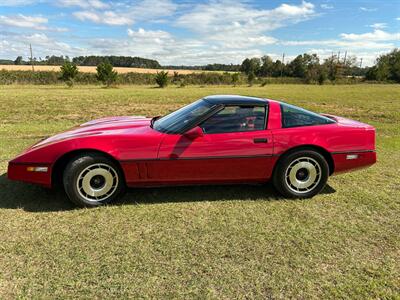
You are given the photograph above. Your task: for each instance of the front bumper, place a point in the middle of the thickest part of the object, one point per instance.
(20, 172)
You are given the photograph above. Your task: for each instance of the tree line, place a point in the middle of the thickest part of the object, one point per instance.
(314, 70)
(307, 67)
(92, 60)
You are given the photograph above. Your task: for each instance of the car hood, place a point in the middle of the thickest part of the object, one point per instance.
(106, 126)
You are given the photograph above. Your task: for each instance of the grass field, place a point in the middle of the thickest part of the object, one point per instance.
(92, 69)
(219, 242)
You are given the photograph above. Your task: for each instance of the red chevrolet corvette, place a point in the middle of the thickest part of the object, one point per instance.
(217, 139)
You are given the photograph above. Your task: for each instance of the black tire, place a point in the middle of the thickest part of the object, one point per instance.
(300, 169)
(92, 179)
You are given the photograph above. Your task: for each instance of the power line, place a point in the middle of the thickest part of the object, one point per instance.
(30, 48)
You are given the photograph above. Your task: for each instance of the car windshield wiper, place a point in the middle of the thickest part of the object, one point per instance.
(153, 120)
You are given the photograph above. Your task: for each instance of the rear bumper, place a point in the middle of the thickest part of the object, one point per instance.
(349, 161)
(19, 172)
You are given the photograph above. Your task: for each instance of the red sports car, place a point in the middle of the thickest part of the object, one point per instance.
(217, 139)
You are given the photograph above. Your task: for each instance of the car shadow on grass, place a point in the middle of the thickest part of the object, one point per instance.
(32, 198)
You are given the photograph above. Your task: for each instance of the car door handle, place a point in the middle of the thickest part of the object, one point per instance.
(260, 140)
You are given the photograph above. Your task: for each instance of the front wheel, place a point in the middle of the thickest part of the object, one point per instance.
(92, 180)
(301, 174)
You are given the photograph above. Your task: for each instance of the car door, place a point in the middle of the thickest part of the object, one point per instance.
(234, 146)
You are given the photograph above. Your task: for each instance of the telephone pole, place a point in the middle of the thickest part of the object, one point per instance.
(30, 48)
(361, 62)
(283, 63)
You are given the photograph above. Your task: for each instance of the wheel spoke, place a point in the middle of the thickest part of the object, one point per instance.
(303, 175)
(97, 182)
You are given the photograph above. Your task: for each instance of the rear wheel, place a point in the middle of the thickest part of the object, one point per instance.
(92, 179)
(301, 174)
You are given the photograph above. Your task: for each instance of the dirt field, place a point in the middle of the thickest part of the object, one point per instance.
(87, 69)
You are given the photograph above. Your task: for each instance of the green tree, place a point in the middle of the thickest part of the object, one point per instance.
(387, 67)
(278, 69)
(267, 66)
(162, 79)
(18, 60)
(321, 75)
(312, 67)
(68, 73)
(106, 73)
(251, 65)
(297, 67)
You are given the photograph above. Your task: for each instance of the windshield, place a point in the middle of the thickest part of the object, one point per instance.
(177, 120)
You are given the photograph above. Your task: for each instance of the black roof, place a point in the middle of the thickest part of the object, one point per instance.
(235, 100)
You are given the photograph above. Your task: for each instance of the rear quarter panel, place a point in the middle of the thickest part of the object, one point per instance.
(332, 137)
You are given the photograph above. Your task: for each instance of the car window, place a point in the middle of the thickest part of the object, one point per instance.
(235, 119)
(293, 116)
(175, 121)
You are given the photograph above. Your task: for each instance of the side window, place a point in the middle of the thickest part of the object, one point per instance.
(293, 116)
(236, 119)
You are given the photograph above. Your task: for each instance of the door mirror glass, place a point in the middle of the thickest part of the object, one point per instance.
(194, 133)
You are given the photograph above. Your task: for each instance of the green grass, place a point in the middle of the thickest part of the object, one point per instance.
(201, 242)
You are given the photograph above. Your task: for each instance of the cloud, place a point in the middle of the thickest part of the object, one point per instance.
(369, 40)
(236, 24)
(167, 49)
(24, 21)
(154, 36)
(92, 4)
(375, 36)
(378, 25)
(16, 44)
(223, 31)
(368, 9)
(31, 22)
(18, 2)
(341, 44)
(123, 13)
(326, 6)
(107, 17)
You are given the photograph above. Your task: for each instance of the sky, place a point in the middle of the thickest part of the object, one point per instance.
(189, 32)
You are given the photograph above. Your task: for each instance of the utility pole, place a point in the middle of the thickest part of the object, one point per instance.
(283, 63)
(360, 62)
(30, 48)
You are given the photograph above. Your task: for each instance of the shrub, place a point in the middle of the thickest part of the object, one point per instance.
(235, 78)
(106, 74)
(68, 73)
(162, 79)
(250, 78)
(182, 84)
(321, 78)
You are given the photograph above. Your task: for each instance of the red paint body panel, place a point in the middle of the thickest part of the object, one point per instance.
(342, 164)
(148, 157)
(19, 172)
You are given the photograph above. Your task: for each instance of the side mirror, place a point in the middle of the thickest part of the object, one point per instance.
(194, 133)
